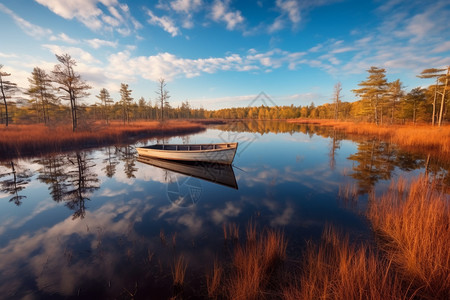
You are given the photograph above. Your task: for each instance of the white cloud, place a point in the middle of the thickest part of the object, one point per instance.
(444, 47)
(277, 25)
(30, 29)
(185, 6)
(221, 12)
(97, 43)
(164, 22)
(80, 55)
(64, 38)
(169, 66)
(291, 8)
(116, 16)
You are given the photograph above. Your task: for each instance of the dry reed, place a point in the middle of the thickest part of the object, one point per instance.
(419, 137)
(253, 264)
(36, 139)
(414, 230)
(232, 232)
(179, 271)
(213, 280)
(338, 270)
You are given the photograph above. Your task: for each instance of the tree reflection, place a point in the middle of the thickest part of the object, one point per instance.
(110, 162)
(81, 182)
(335, 144)
(17, 181)
(127, 154)
(375, 161)
(53, 174)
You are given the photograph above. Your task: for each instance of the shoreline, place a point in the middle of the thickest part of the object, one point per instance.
(31, 140)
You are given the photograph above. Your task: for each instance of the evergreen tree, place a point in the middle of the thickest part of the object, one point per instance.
(105, 100)
(7, 88)
(125, 101)
(71, 83)
(373, 90)
(40, 91)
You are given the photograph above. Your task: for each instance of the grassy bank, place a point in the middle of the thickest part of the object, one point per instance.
(17, 140)
(410, 258)
(419, 137)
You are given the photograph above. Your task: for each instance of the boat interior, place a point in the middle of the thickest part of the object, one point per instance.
(191, 147)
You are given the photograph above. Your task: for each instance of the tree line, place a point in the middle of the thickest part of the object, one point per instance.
(55, 96)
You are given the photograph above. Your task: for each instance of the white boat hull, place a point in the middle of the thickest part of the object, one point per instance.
(217, 153)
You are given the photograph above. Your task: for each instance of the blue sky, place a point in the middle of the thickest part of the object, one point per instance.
(222, 53)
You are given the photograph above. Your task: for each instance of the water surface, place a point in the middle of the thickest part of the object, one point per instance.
(99, 223)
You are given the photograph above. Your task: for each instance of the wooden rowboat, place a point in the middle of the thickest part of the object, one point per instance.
(222, 174)
(216, 153)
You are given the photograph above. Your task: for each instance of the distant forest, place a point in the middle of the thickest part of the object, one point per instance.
(57, 96)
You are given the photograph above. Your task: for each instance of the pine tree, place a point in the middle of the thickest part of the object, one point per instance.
(71, 83)
(125, 101)
(105, 100)
(6, 88)
(373, 90)
(40, 91)
(440, 78)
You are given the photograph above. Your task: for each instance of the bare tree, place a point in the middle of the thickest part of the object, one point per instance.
(71, 83)
(163, 95)
(6, 88)
(337, 99)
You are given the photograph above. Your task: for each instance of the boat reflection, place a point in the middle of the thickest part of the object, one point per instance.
(212, 172)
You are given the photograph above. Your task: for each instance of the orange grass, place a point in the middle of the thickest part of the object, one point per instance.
(213, 281)
(338, 270)
(424, 137)
(232, 232)
(17, 140)
(253, 264)
(178, 271)
(414, 229)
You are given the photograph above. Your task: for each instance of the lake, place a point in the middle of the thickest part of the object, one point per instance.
(101, 224)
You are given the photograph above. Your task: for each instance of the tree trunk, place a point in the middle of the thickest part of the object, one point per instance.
(433, 121)
(441, 112)
(4, 101)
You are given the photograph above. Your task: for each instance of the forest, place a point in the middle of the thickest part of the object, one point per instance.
(53, 97)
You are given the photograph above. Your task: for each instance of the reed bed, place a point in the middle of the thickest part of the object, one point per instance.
(178, 272)
(249, 275)
(422, 137)
(336, 269)
(414, 231)
(17, 140)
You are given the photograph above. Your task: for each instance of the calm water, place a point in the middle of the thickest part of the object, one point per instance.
(100, 224)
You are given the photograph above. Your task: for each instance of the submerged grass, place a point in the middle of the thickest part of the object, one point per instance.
(18, 140)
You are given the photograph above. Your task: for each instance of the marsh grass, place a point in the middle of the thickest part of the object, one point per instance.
(213, 280)
(414, 231)
(37, 139)
(417, 137)
(336, 269)
(348, 193)
(231, 231)
(178, 270)
(253, 262)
